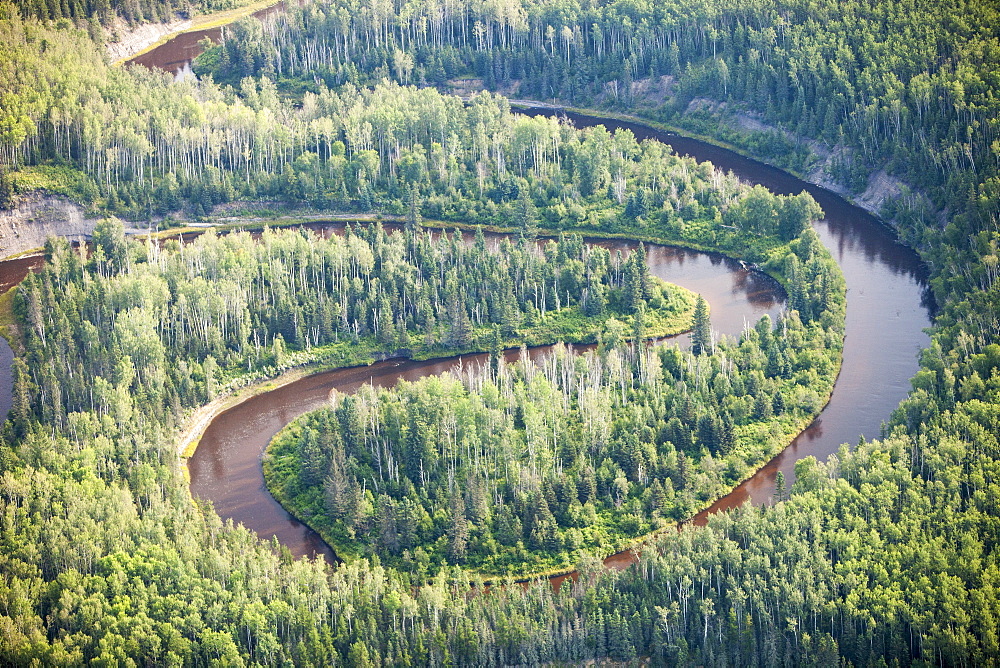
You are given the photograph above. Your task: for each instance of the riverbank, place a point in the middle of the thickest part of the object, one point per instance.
(618, 554)
(38, 216)
(565, 326)
(880, 186)
(871, 283)
(149, 36)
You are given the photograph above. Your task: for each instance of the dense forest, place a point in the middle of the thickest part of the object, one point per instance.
(412, 153)
(516, 469)
(903, 87)
(138, 329)
(884, 554)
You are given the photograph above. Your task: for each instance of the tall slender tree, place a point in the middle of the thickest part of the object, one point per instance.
(701, 333)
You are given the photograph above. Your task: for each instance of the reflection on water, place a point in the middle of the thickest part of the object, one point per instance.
(888, 307)
(176, 55)
(887, 294)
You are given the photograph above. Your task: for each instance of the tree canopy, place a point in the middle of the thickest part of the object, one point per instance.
(884, 554)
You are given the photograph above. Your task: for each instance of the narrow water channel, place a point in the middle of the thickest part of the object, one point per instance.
(175, 55)
(887, 311)
(226, 467)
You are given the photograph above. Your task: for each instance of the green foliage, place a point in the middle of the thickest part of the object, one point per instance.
(257, 306)
(516, 469)
(410, 153)
(899, 86)
(885, 554)
(66, 181)
(6, 190)
(509, 455)
(701, 330)
(109, 12)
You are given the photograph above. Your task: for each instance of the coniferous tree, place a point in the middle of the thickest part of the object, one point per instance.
(701, 332)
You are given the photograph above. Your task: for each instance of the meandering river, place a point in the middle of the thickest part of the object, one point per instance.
(226, 467)
(887, 310)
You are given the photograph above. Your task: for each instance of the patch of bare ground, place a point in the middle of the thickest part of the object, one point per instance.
(127, 41)
(469, 86)
(653, 91)
(881, 186)
(37, 217)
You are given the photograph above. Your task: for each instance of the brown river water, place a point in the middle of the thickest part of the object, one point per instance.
(175, 55)
(226, 467)
(888, 308)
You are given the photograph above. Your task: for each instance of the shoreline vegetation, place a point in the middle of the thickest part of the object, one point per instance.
(197, 23)
(313, 363)
(725, 218)
(346, 551)
(305, 505)
(886, 552)
(338, 356)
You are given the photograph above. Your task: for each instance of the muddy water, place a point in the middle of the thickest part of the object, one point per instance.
(175, 56)
(887, 310)
(226, 467)
(12, 272)
(888, 307)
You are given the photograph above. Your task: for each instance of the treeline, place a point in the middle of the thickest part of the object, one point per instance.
(139, 329)
(107, 12)
(886, 554)
(516, 469)
(902, 86)
(108, 559)
(128, 141)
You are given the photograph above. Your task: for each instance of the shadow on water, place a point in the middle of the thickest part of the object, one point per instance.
(888, 309)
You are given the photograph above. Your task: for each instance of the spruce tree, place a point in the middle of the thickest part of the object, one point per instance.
(701, 332)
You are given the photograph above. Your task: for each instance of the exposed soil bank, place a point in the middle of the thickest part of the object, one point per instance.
(135, 40)
(37, 217)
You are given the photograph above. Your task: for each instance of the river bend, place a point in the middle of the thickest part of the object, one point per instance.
(888, 308)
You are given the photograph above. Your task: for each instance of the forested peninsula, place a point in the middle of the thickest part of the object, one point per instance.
(884, 554)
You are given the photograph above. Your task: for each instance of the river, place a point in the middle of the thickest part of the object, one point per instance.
(226, 467)
(176, 54)
(887, 310)
(888, 307)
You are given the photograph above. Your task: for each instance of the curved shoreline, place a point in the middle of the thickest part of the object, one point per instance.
(122, 51)
(916, 274)
(631, 544)
(621, 556)
(223, 406)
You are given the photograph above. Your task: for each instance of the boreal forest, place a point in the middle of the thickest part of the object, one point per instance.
(454, 332)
